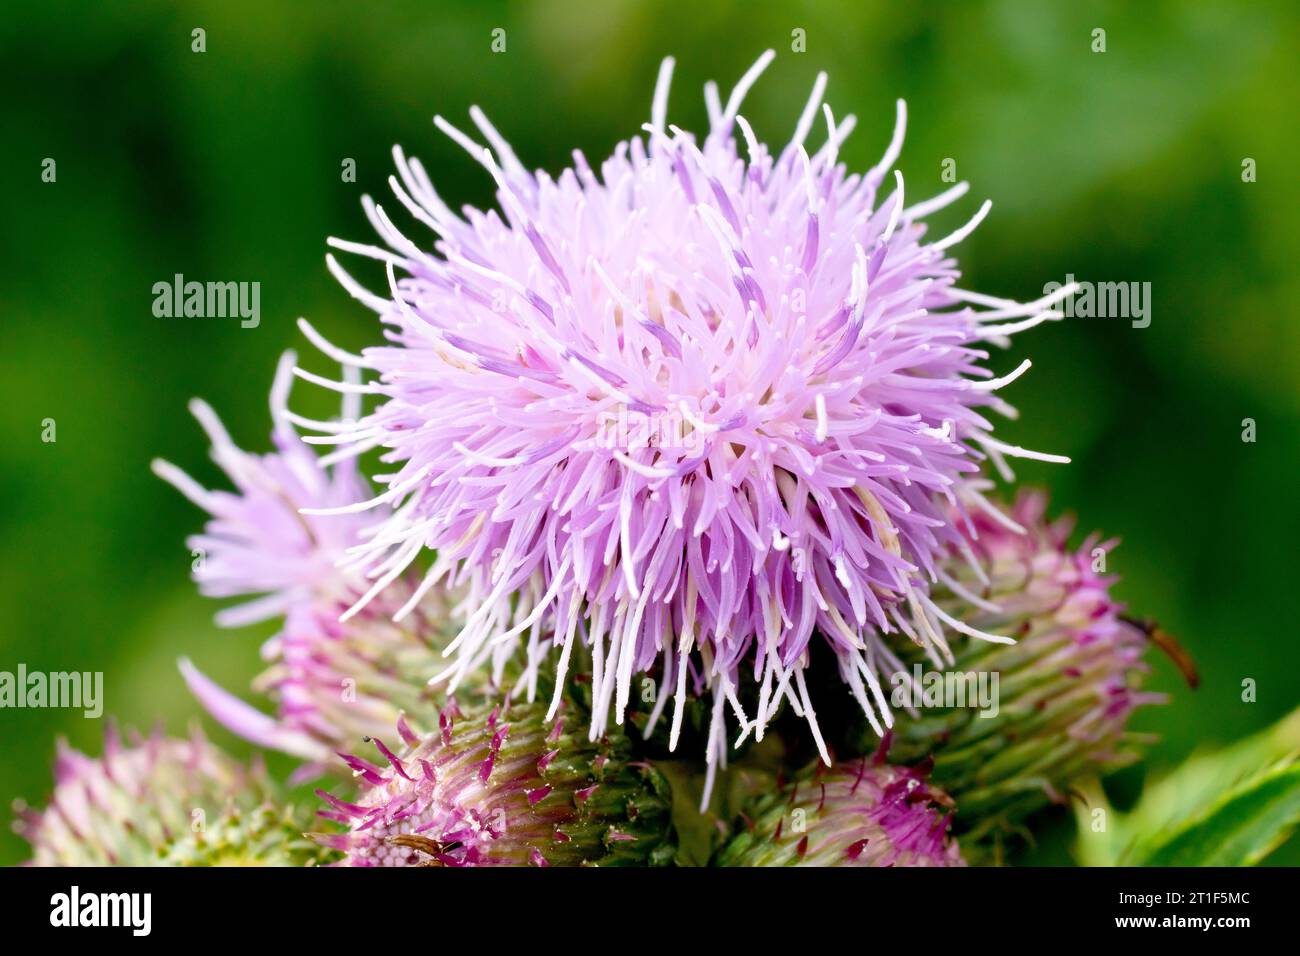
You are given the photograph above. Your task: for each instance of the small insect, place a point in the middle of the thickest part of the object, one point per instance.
(1169, 644)
(435, 849)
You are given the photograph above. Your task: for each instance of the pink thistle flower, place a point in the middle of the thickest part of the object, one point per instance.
(685, 409)
(285, 535)
(858, 813)
(503, 787)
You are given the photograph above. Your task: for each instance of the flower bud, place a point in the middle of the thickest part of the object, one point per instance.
(283, 537)
(1061, 695)
(160, 801)
(504, 787)
(859, 813)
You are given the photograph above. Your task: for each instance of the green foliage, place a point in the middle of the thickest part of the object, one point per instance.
(1230, 807)
(1241, 829)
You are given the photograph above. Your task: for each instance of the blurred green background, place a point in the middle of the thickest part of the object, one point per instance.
(225, 165)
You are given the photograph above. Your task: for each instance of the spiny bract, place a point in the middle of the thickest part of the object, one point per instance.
(504, 787)
(858, 813)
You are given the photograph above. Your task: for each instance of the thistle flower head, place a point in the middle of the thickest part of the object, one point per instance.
(259, 541)
(687, 407)
(859, 813)
(148, 801)
(1066, 688)
(284, 535)
(504, 787)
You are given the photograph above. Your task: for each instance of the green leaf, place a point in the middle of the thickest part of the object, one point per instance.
(1241, 829)
(1229, 807)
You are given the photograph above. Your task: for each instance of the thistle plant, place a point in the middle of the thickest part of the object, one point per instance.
(695, 442)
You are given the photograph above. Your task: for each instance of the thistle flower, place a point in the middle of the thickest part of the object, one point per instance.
(334, 683)
(504, 788)
(689, 410)
(1065, 690)
(859, 813)
(155, 801)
